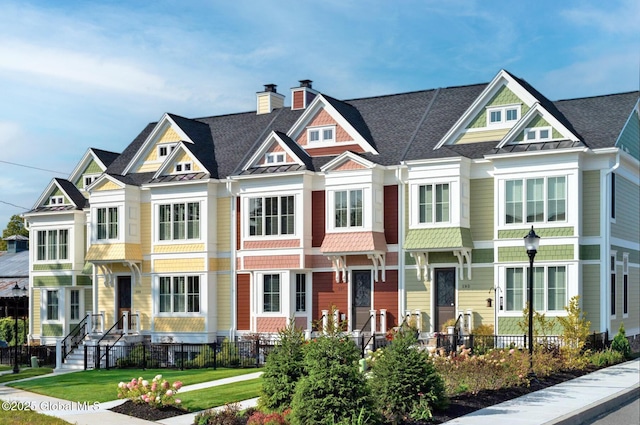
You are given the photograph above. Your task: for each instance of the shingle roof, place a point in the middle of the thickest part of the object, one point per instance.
(70, 189)
(105, 156)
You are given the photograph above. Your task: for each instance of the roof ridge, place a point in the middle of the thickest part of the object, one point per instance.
(598, 95)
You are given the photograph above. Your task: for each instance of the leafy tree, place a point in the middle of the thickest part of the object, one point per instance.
(14, 227)
(405, 383)
(575, 330)
(7, 330)
(620, 342)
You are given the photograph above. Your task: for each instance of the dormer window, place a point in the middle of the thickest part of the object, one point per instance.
(538, 134)
(183, 167)
(321, 134)
(164, 150)
(56, 200)
(274, 158)
(87, 180)
(503, 115)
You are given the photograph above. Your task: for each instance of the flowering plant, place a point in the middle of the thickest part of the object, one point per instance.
(157, 393)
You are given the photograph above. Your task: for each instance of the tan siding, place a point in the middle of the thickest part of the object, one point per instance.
(591, 294)
(179, 324)
(481, 136)
(591, 203)
(145, 227)
(142, 302)
(106, 302)
(179, 265)
(482, 209)
(418, 296)
(107, 185)
(35, 310)
(169, 136)
(224, 224)
(223, 302)
(187, 247)
(474, 297)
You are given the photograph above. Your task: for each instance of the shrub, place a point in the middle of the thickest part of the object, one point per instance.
(229, 354)
(274, 418)
(230, 415)
(282, 370)
(404, 381)
(575, 330)
(483, 339)
(332, 388)
(137, 357)
(157, 393)
(620, 342)
(606, 357)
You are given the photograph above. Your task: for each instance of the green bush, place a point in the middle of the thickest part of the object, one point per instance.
(606, 357)
(332, 389)
(404, 381)
(620, 342)
(7, 330)
(283, 368)
(230, 415)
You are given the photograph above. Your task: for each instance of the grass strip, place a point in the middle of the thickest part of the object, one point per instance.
(219, 396)
(25, 373)
(102, 385)
(21, 417)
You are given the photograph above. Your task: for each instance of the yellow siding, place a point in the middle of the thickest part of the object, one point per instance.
(418, 296)
(106, 302)
(179, 324)
(142, 302)
(221, 264)
(169, 136)
(35, 311)
(115, 251)
(145, 227)
(481, 136)
(148, 167)
(88, 301)
(107, 185)
(185, 157)
(224, 301)
(263, 104)
(188, 247)
(224, 224)
(473, 294)
(179, 265)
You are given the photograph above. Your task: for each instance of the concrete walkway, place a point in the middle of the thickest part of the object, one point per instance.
(570, 403)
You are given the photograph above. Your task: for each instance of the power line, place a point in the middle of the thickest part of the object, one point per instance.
(14, 205)
(35, 168)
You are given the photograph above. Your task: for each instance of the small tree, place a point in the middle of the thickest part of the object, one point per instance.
(620, 342)
(405, 383)
(541, 325)
(282, 370)
(575, 330)
(332, 389)
(15, 226)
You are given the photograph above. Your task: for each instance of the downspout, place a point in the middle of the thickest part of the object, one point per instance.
(31, 305)
(605, 250)
(401, 234)
(232, 265)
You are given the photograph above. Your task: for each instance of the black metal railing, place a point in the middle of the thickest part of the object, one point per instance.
(45, 354)
(108, 334)
(73, 339)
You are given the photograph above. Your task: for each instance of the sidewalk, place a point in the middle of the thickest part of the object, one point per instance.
(570, 403)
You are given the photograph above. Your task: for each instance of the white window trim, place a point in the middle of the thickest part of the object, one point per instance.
(625, 273)
(545, 199)
(91, 177)
(246, 219)
(170, 147)
(294, 291)
(416, 209)
(321, 140)
(57, 260)
(156, 298)
(283, 277)
(569, 290)
(80, 304)
(56, 200)
(271, 158)
(613, 272)
(172, 240)
(95, 224)
(45, 305)
(537, 131)
(503, 123)
(183, 167)
(331, 210)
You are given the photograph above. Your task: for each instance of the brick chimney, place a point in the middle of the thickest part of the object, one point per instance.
(302, 96)
(269, 99)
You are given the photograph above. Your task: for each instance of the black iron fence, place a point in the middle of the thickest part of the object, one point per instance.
(45, 355)
(239, 354)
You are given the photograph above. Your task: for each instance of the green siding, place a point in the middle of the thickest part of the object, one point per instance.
(482, 255)
(504, 96)
(509, 326)
(481, 200)
(92, 168)
(83, 280)
(591, 294)
(591, 203)
(630, 135)
(552, 232)
(589, 252)
(88, 302)
(47, 267)
(627, 225)
(634, 256)
(438, 238)
(58, 192)
(538, 121)
(51, 330)
(418, 296)
(52, 281)
(545, 253)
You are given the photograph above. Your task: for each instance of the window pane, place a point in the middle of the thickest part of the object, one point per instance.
(286, 215)
(301, 292)
(557, 199)
(535, 200)
(514, 289)
(271, 216)
(102, 223)
(193, 294)
(327, 134)
(538, 288)
(442, 203)
(42, 245)
(557, 288)
(113, 223)
(271, 293)
(496, 116)
(341, 209)
(75, 305)
(178, 221)
(426, 204)
(52, 305)
(513, 197)
(314, 135)
(193, 220)
(255, 216)
(512, 114)
(178, 294)
(165, 295)
(52, 249)
(63, 244)
(356, 208)
(164, 222)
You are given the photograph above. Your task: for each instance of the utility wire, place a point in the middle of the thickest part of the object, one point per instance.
(14, 205)
(35, 168)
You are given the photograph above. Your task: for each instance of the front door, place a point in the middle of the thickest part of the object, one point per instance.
(123, 297)
(361, 296)
(445, 295)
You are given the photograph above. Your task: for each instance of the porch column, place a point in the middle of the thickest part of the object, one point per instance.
(383, 320)
(102, 321)
(138, 325)
(418, 314)
(125, 325)
(336, 319)
(325, 321)
(88, 326)
(372, 314)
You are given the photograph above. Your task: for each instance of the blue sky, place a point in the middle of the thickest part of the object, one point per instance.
(80, 74)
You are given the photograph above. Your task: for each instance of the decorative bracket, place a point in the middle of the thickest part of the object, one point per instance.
(422, 261)
(339, 263)
(464, 255)
(136, 274)
(379, 263)
(107, 273)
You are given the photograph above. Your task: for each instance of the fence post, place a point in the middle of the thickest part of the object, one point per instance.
(144, 355)
(96, 356)
(106, 357)
(85, 357)
(215, 355)
(257, 342)
(182, 356)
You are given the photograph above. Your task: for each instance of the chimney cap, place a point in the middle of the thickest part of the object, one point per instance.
(270, 88)
(305, 83)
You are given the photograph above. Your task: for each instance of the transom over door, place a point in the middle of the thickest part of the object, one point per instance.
(361, 298)
(445, 294)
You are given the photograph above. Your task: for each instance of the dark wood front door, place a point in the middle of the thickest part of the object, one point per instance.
(361, 296)
(445, 294)
(123, 297)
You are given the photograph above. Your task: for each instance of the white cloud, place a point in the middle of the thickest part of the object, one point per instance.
(623, 19)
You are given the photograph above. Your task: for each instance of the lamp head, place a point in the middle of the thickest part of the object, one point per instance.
(532, 241)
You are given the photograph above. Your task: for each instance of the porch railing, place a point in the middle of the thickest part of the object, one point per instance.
(73, 339)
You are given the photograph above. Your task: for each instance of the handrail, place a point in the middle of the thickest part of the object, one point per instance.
(361, 334)
(76, 335)
(108, 347)
(110, 329)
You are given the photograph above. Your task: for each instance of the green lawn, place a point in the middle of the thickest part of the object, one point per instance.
(219, 396)
(102, 385)
(21, 417)
(25, 373)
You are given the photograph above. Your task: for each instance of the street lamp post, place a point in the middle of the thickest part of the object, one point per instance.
(531, 243)
(16, 291)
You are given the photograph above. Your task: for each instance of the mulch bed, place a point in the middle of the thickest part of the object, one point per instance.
(144, 411)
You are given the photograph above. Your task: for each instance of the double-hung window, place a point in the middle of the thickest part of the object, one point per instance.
(52, 305)
(53, 245)
(271, 293)
(107, 223)
(433, 203)
(536, 200)
(272, 215)
(179, 221)
(301, 292)
(549, 288)
(179, 294)
(74, 304)
(348, 208)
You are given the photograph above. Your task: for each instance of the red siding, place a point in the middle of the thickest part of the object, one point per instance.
(317, 217)
(334, 150)
(298, 100)
(386, 296)
(326, 292)
(243, 297)
(391, 214)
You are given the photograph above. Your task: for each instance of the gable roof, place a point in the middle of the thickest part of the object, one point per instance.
(78, 201)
